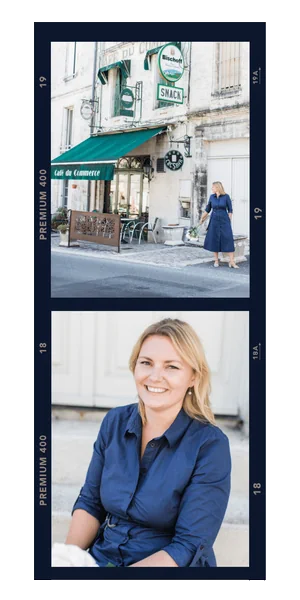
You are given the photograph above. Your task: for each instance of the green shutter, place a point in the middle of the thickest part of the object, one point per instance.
(155, 51)
(117, 97)
(123, 65)
(121, 82)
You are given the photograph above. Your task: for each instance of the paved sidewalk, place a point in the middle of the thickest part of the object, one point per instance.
(158, 255)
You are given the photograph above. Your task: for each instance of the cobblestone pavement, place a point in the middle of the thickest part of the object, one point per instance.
(158, 255)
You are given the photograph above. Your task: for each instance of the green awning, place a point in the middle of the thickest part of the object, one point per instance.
(147, 57)
(95, 158)
(155, 51)
(123, 65)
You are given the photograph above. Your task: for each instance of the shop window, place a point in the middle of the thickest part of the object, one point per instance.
(65, 193)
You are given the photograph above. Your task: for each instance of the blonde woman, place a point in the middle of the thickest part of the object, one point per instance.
(157, 487)
(219, 237)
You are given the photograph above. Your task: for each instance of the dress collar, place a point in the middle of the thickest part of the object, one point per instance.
(173, 434)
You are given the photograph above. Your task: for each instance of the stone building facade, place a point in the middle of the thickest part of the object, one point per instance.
(214, 114)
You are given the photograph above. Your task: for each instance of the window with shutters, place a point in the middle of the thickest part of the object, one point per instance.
(120, 84)
(228, 72)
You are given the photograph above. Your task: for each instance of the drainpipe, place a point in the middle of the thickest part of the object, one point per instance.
(101, 86)
(192, 216)
(189, 79)
(93, 115)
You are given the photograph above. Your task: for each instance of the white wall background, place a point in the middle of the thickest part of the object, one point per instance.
(90, 353)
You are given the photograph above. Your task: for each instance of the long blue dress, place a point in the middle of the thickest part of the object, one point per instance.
(219, 236)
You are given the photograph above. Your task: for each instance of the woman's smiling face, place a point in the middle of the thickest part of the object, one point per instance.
(162, 377)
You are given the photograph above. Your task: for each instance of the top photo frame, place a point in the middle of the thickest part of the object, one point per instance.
(150, 168)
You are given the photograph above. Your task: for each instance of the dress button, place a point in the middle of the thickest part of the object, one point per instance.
(152, 445)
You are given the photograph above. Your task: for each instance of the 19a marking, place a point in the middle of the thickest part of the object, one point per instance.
(256, 76)
(257, 213)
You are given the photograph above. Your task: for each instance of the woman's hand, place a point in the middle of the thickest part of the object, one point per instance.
(158, 559)
(83, 529)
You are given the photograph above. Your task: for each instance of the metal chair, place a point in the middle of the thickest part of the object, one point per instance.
(128, 229)
(150, 229)
(125, 230)
(136, 229)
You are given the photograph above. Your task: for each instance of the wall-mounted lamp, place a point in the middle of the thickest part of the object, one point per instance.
(148, 169)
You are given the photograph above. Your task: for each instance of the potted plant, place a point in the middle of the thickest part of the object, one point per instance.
(193, 233)
(64, 234)
(59, 218)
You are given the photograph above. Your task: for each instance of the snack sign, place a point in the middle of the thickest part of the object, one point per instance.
(170, 62)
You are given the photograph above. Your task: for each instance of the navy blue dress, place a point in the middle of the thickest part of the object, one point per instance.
(219, 237)
(173, 499)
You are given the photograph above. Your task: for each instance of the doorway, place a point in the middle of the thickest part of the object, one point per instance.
(129, 190)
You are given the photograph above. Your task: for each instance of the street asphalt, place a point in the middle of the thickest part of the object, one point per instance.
(76, 276)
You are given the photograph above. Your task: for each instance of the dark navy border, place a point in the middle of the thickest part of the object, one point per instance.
(45, 33)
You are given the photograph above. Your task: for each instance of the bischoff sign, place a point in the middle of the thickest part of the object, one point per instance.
(170, 62)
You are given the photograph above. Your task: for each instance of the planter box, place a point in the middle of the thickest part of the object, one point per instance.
(173, 235)
(241, 243)
(64, 240)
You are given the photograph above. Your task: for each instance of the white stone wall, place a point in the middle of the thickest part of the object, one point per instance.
(135, 52)
(94, 348)
(65, 93)
(203, 78)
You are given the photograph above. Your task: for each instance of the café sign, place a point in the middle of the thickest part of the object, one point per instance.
(174, 160)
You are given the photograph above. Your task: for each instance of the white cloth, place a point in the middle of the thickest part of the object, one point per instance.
(68, 555)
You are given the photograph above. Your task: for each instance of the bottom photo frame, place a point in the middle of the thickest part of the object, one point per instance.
(150, 441)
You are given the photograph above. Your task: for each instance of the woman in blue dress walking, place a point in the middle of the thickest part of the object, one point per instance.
(219, 236)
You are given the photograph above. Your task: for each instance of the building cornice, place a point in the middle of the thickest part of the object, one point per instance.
(211, 112)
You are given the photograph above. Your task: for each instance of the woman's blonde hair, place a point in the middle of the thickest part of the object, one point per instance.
(189, 347)
(219, 187)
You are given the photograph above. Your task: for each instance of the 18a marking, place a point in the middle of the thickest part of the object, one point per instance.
(256, 488)
(256, 352)
(42, 347)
